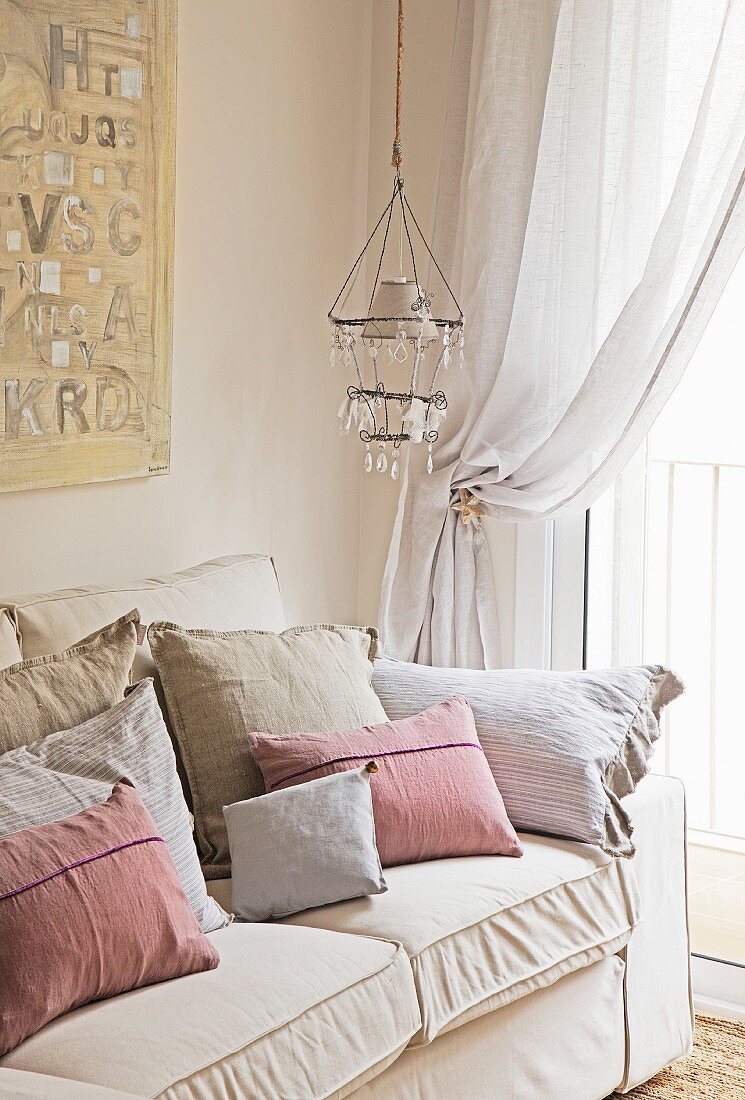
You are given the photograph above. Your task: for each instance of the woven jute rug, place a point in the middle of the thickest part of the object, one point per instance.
(714, 1071)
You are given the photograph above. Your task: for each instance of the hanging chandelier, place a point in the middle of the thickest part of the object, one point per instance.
(396, 353)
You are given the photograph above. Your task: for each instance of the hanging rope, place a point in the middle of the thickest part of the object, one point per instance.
(397, 157)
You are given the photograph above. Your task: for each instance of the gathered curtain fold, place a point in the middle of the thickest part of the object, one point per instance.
(590, 209)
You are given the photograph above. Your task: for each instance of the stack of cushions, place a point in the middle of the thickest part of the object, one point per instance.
(306, 775)
(100, 884)
(433, 796)
(221, 686)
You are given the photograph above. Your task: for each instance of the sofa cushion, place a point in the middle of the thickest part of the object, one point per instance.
(232, 593)
(45, 694)
(90, 907)
(482, 931)
(290, 1012)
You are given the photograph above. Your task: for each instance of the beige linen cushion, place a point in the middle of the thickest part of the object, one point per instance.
(47, 694)
(220, 686)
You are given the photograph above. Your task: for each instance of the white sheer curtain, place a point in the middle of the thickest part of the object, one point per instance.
(590, 211)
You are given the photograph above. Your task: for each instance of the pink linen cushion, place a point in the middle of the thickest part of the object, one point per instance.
(433, 795)
(90, 906)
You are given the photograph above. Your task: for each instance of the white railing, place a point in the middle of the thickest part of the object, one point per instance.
(694, 612)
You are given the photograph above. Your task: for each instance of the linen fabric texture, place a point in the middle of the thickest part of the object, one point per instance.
(219, 686)
(90, 907)
(563, 747)
(433, 795)
(71, 770)
(484, 932)
(46, 694)
(307, 846)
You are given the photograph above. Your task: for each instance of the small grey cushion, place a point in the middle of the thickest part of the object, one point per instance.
(309, 845)
(63, 773)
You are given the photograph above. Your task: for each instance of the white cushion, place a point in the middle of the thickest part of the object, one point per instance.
(483, 931)
(289, 1012)
(233, 593)
(10, 650)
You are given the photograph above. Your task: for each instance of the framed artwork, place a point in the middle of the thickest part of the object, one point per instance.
(87, 180)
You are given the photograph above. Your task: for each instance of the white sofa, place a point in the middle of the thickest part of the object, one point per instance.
(564, 974)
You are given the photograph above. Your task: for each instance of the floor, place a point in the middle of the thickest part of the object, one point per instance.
(716, 887)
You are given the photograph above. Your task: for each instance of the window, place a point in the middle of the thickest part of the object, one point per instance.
(666, 582)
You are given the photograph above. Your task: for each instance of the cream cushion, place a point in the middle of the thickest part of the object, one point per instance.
(232, 593)
(484, 931)
(10, 650)
(289, 1012)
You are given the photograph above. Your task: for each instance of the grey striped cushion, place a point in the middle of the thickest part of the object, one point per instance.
(69, 771)
(564, 747)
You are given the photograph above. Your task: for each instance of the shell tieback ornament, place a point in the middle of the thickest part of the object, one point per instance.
(396, 353)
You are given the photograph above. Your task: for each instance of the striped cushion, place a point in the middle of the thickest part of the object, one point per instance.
(66, 772)
(564, 747)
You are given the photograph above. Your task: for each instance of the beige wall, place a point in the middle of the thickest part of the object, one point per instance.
(271, 202)
(285, 123)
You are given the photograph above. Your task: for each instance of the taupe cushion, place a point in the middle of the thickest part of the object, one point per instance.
(220, 686)
(47, 694)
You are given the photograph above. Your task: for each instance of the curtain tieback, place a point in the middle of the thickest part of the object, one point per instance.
(469, 507)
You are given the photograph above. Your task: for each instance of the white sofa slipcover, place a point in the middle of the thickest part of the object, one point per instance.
(608, 1024)
(482, 931)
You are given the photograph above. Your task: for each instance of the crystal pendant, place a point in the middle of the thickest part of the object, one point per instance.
(368, 460)
(394, 467)
(401, 354)
(430, 464)
(332, 356)
(372, 351)
(381, 463)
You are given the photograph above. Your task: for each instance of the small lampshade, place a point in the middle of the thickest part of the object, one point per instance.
(394, 298)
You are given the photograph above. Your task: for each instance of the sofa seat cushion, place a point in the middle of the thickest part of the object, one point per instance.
(289, 1012)
(482, 931)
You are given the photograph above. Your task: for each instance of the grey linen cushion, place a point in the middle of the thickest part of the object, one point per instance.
(303, 847)
(564, 747)
(220, 686)
(68, 771)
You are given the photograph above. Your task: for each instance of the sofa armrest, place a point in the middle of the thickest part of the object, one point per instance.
(16, 1084)
(659, 1003)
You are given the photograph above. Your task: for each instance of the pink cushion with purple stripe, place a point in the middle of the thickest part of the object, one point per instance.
(433, 795)
(90, 906)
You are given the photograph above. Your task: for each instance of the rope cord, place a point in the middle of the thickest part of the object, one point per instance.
(397, 158)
